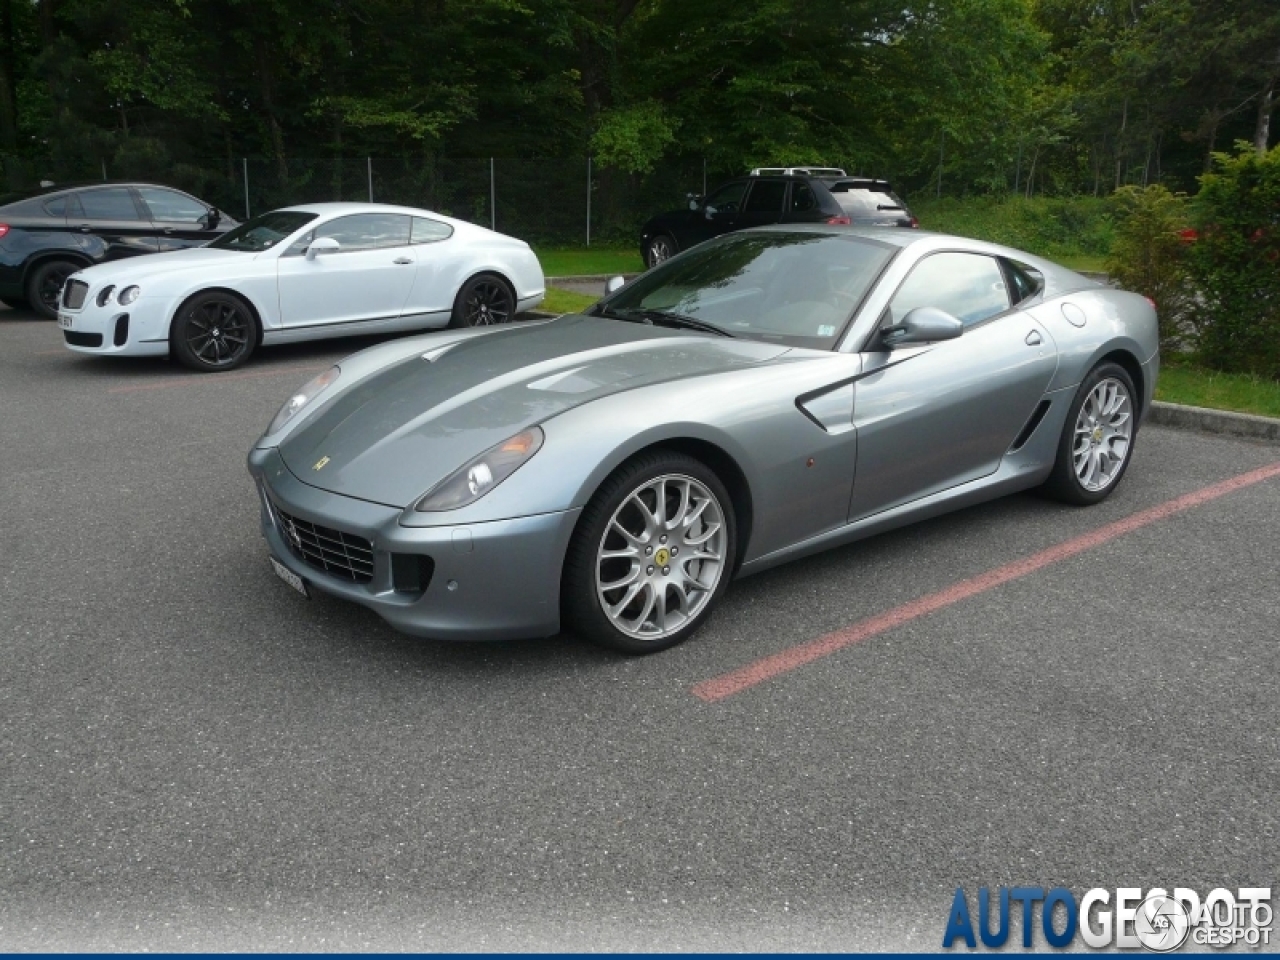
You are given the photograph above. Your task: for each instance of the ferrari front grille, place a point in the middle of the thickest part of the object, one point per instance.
(341, 555)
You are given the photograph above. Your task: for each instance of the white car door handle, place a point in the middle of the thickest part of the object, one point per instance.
(402, 260)
(1034, 339)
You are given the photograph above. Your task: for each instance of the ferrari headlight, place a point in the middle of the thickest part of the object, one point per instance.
(311, 390)
(127, 296)
(105, 296)
(475, 479)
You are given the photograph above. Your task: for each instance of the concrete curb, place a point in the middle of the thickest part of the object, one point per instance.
(1185, 417)
(591, 278)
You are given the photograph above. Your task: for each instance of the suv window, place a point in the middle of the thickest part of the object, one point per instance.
(173, 206)
(802, 198)
(727, 198)
(429, 231)
(367, 231)
(108, 203)
(766, 197)
(969, 286)
(58, 206)
(868, 203)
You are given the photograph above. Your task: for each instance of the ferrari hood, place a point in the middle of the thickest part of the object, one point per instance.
(394, 435)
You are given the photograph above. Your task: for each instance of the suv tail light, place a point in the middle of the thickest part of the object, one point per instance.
(915, 223)
(4, 228)
(839, 221)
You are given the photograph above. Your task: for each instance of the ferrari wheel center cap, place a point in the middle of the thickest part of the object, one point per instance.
(1097, 434)
(662, 557)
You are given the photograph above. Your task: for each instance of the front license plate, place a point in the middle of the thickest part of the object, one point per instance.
(291, 578)
(65, 321)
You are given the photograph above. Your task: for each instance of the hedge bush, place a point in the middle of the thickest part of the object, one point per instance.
(1235, 262)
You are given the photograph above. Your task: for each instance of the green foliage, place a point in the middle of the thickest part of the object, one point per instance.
(1149, 256)
(1053, 227)
(633, 138)
(1236, 262)
(1198, 387)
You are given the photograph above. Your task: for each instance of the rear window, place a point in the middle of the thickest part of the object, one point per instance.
(869, 203)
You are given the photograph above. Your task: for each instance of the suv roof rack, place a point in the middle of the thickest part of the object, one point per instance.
(801, 171)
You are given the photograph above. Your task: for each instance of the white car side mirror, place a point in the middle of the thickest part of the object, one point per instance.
(614, 284)
(322, 245)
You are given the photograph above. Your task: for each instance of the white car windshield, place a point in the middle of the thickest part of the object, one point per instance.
(264, 232)
(795, 288)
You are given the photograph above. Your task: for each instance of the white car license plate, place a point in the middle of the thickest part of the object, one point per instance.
(65, 321)
(289, 577)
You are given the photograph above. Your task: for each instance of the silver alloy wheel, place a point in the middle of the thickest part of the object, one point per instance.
(659, 250)
(1103, 433)
(661, 557)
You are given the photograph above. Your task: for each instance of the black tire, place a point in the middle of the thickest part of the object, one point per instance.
(660, 248)
(581, 597)
(14, 303)
(44, 284)
(1064, 482)
(483, 301)
(213, 332)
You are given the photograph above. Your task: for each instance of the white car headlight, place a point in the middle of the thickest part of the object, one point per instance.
(104, 297)
(310, 390)
(127, 296)
(475, 479)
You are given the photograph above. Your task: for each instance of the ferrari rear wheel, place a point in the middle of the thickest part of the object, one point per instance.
(213, 332)
(1097, 439)
(652, 555)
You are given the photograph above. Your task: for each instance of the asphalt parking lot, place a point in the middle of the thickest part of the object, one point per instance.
(193, 756)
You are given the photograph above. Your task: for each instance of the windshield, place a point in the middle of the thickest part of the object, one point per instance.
(794, 288)
(264, 232)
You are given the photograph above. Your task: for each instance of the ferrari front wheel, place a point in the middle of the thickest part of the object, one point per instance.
(1097, 439)
(652, 554)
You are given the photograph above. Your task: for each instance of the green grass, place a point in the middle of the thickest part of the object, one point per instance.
(1221, 391)
(1088, 263)
(588, 261)
(565, 301)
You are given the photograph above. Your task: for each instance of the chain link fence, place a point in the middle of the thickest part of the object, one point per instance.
(557, 202)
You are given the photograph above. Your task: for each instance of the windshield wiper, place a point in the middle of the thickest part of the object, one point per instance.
(664, 318)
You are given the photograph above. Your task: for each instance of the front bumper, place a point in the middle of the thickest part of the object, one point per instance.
(483, 581)
(140, 329)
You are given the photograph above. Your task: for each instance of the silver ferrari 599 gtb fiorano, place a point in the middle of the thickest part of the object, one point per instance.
(760, 397)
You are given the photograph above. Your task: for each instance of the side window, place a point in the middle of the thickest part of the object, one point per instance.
(1026, 281)
(727, 198)
(172, 206)
(766, 197)
(57, 207)
(969, 286)
(802, 198)
(367, 231)
(429, 231)
(108, 203)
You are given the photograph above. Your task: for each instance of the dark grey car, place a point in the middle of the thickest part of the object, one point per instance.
(49, 234)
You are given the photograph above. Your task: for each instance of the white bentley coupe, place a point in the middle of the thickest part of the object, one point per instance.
(300, 273)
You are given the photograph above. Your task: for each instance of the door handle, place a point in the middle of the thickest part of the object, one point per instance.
(1034, 339)
(402, 260)
(85, 228)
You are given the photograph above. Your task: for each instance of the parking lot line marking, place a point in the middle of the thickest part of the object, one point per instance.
(766, 668)
(197, 379)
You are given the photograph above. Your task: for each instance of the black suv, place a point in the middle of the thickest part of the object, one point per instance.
(48, 234)
(774, 195)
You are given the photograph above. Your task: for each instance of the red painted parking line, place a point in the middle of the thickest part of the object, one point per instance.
(201, 379)
(726, 685)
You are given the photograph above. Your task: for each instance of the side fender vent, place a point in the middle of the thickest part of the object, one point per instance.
(1025, 434)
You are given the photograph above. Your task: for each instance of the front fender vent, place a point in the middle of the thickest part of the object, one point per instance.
(1025, 434)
